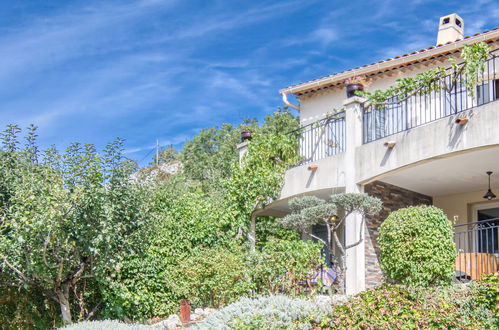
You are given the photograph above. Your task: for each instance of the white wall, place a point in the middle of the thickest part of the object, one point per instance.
(316, 106)
(458, 206)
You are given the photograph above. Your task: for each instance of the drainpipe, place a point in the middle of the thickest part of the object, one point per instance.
(289, 104)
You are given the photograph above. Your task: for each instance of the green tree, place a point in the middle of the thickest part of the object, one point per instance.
(310, 210)
(130, 165)
(166, 155)
(208, 157)
(65, 216)
(258, 179)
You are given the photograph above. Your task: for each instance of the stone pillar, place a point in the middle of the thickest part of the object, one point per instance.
(243, 149)
(355, 256)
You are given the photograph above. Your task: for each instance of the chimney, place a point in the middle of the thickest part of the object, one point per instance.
(450, 28)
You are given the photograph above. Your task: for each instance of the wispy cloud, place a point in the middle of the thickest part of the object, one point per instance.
(157, 69)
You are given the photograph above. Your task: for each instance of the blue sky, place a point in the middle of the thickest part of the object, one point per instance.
(143, 70)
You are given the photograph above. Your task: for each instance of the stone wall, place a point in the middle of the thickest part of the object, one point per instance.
(393, 198)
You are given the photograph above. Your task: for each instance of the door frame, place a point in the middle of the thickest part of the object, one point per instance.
(474, 216)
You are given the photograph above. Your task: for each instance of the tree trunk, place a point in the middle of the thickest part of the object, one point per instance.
(63, 298)
(342, 264)
(252, 233)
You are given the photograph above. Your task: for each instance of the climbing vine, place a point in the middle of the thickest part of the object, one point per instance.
(474, 58)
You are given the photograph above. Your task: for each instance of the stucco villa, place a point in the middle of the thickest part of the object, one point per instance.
(431, 148)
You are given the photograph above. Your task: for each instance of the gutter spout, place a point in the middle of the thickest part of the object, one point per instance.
(289, 104)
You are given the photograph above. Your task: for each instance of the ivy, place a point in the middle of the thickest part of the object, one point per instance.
(474, 57)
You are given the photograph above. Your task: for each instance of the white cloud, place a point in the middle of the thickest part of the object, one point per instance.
(324, 35)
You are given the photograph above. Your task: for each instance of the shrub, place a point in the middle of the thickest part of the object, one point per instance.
(212, 277)
(105, 325)
(145, 284)
(26, 309)
(270, 312)
(488, 293)
(417, 247)
(384, 307)
(281, 265)
(393, 306)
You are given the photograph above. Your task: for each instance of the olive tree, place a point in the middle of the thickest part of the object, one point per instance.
(310, 210)
(64, 217)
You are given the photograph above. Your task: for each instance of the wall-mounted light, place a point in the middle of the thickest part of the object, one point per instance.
(390, 144)
(461, 120)
(489, 194)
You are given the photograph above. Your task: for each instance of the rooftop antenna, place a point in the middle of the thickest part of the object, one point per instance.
(157, 152)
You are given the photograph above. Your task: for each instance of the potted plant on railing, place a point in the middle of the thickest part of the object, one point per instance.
(246, 134)
(354, 84)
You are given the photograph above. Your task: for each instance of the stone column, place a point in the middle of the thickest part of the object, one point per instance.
(243, 149)
(355, 256)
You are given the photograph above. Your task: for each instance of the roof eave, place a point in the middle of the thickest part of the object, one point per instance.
(389, 64)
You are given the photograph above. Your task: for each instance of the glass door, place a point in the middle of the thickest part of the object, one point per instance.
(488, 230)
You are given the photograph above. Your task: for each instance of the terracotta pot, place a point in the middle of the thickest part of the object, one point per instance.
(352, 88)
(246, 136)
(462, 120)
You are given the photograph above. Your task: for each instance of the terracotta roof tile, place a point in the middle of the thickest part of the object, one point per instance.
(394, 58)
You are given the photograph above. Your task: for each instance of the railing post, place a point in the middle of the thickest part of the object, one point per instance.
(355, 256)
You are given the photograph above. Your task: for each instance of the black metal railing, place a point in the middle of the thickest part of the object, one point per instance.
(322, 139)
(445, 96)
(478, 247)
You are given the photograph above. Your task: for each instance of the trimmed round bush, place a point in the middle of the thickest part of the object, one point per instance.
(417, 247)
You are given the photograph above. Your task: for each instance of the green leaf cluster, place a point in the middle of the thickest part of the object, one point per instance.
(417, 247)
(488, 289)
(474, 57)
(398, 307)
(258, 179)
(148, 283)
(284, 265)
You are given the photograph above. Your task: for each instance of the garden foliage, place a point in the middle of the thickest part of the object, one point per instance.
(474, 57)
(417, 247)
(488, 289)
(384, 307)
(310, 210)
(106, 325)
(268, 312)
(65, 218)
(283, 266)
(398, 307)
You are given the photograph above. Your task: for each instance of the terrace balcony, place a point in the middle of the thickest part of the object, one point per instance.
(437, 121)
(478, 246)
(432, 147)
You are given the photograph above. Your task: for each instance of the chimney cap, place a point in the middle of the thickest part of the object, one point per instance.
(450, 28)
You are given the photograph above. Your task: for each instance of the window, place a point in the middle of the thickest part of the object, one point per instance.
(454, 101)
(483, 93)
(458, 22)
